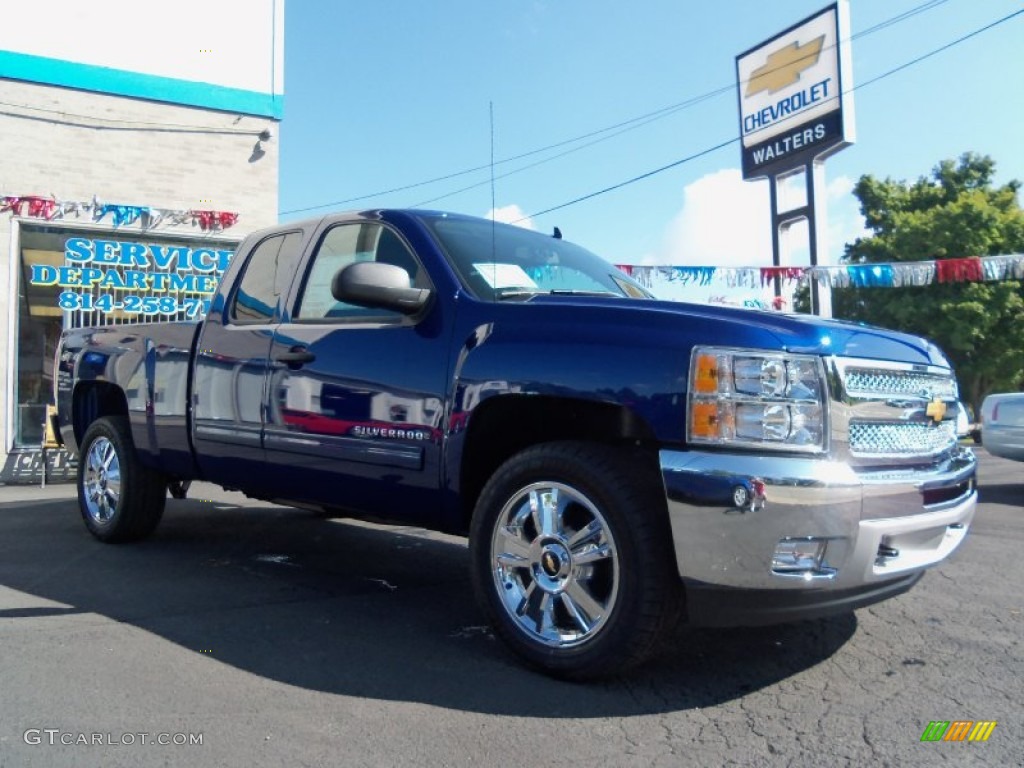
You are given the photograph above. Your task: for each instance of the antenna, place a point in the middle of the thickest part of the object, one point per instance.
(493, 207)
(494, 213)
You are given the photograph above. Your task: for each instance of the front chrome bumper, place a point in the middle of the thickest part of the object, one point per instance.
(729, 511)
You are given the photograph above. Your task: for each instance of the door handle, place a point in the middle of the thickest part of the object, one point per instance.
(295, 357)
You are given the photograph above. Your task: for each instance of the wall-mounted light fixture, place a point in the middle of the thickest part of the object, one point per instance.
(257, 149)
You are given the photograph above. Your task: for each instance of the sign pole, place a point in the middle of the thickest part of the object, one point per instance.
(821, 299)
(782, 221)
(812, 230)
(773, 185)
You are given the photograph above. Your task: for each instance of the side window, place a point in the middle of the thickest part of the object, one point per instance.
(343, 245)
(266, 277)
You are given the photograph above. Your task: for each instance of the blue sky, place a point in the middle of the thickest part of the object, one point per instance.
(388, 94)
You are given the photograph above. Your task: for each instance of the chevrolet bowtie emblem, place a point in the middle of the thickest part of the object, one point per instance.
(936, 410)
(783, 67)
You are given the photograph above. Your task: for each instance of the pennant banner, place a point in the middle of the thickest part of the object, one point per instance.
(894, 275)
(148, 217)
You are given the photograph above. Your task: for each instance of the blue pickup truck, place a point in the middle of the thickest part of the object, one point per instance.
(617, 462)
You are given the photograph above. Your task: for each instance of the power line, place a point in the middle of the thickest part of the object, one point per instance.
(733, 140)
(942, 48)
(625, 126)
(526, 167)
(898, 18)
(635, 179)
(612, 131)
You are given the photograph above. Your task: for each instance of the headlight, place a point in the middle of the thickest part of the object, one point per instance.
(755, 399)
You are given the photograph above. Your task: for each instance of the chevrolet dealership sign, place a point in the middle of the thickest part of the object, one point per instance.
(795, 104)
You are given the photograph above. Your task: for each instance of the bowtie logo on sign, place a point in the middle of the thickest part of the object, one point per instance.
(783, 67)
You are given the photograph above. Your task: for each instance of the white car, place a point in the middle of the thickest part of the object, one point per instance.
(1002, 420)
(963, 420)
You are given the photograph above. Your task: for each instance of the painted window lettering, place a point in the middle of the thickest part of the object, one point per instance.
(80, 250)
(126, 278)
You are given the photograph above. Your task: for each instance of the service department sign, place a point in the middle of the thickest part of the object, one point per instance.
(131, 278)
(795, 104)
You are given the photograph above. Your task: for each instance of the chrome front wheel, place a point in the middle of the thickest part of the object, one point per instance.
(555, 564)
(572, 560)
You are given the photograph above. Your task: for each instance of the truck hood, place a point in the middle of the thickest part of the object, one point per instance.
(733, 326)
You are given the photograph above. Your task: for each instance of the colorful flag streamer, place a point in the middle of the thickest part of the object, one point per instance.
(892, 275)
(121, 215)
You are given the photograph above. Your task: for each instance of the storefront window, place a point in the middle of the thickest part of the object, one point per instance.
(71, 278)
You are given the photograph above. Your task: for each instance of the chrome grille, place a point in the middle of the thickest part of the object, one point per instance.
(882, 411)
(900, 438)
(875, 382)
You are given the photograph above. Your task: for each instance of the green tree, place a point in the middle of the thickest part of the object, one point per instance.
(954, 213)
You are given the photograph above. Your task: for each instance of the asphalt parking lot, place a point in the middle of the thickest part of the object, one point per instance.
(279, 637)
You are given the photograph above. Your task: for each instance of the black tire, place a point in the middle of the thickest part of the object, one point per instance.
(602, 600)
(120, 499)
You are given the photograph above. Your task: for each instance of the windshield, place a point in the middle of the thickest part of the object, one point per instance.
(503, 262)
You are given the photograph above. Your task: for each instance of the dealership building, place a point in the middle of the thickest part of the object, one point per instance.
(139, 147)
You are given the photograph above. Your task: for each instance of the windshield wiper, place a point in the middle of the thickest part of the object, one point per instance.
(515, 293)
(573, 292)
(526, 293)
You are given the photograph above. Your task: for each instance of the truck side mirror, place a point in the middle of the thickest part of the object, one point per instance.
(377, 285)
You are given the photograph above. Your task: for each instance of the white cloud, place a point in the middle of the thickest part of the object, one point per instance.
(725, 222)
(845, 222)
(839, 187)
(511, 214)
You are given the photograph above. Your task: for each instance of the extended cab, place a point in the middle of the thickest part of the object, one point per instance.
(616, 461)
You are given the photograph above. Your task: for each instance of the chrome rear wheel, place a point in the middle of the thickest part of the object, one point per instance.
(120, 498)
(102, 481)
